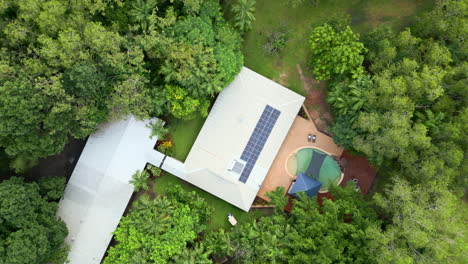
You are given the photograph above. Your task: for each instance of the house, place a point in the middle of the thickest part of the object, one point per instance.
(99, 190)
(229, 159)
(241, 137)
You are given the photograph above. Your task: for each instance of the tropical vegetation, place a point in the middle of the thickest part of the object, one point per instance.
(244, 12)
(29, 229)
(159, 230)
(140, 180)
(397, 95)
(68, 66)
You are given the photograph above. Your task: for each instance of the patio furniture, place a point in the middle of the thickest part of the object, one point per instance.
(357, 189)
(314, 137)
(309, 137)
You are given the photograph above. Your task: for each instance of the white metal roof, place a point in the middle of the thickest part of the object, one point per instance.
(98, 191)
(227, 130)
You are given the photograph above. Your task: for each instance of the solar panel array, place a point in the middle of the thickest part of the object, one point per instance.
(258, 139)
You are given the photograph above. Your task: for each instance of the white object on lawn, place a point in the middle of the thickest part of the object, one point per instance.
(232, 219)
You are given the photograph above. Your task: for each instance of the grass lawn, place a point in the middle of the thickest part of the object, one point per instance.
(184, 133)
(270, 14)
(221, 208)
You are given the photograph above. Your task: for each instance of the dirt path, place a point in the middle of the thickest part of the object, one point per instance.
(315, 101)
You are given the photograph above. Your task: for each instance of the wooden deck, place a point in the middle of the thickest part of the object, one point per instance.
(296, 139)
(358, 167)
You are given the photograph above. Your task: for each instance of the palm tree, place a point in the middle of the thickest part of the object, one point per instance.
(140, 180)
(195, 255)
(348, 99)
(141, 10)
(244, 14)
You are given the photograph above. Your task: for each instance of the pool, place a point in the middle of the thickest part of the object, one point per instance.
(316, 164)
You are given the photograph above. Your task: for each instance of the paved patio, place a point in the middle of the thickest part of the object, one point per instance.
(296, 138)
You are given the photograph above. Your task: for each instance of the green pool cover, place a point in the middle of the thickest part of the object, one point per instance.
(303, 157)
(318, 165)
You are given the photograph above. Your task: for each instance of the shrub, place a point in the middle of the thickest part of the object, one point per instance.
(276, 41)
(166, 147)
(154, 170)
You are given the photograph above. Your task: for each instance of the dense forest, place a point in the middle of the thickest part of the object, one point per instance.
(398, 97)
(68, 66)
(29, 229)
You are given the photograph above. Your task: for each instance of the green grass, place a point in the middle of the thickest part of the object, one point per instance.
(270, 14)
(183, 134)
(221, 208)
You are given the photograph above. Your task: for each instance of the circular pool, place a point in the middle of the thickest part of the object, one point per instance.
(316, 164)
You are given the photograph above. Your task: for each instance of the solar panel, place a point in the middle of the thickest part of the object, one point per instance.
(258, 139)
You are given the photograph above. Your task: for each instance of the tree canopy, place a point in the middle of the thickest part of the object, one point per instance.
(159, 230)
(335, 51)
(335, 233)
(424, 224)
(30, 232)
(409, 108)
(66, 67)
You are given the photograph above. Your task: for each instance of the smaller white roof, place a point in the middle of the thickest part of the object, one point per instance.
(227, 130)
(99, 190)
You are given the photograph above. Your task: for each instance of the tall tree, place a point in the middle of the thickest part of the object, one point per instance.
(195, 58)
(424, 224)
(142, 10)
(335, 52)
(30, 232)
(62, 70)
(244, 11)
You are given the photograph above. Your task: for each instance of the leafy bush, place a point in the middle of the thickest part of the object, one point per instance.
(166, 147)
(52, 188)
(335, 52)
(155, 171)
(276, 41)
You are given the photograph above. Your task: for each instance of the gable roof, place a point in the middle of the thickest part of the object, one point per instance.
(98, 191)
(227, 130)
